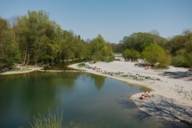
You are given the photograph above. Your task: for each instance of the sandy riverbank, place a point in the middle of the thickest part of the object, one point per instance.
(173, 85)
(22, 70)
(29, 69)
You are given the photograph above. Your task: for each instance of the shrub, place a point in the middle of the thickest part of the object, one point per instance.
(183, 58)
(100, 50)
(130, 54)
(180, 61)
(189, 59)
(156, 55)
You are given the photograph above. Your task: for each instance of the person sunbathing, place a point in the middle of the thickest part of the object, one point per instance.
(145, 95)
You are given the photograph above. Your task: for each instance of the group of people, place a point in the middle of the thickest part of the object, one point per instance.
(145, 95)
(103, 71)
(121, 74)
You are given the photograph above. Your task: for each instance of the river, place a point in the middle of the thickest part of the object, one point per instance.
(83, 100)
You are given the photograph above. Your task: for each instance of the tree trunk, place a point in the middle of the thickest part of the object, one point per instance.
(25, 57)
(28, 59)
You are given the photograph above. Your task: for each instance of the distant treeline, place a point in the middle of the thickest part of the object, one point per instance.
(157, 50)
(35, 39)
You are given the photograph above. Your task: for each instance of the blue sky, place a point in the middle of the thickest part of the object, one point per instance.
(111, 18)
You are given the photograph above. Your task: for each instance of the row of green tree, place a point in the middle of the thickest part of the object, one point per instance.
(157, 50)
(35, 39)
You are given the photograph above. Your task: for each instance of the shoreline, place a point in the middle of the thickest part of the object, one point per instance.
(14, 72)
(75, 68)
(145, 84)
(129, 81)
(159, 100)
(23, 70)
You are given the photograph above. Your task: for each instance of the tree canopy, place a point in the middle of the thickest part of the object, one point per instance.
(138, 41)
(9, 51)
(100, 50)
(38, 37)
(131, 54)
(35, 39)
(156, 55)
(180, 48)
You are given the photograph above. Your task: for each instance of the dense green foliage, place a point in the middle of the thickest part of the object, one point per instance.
(180, 61)
(131, 54)
(117, 47)
(138, 41)
(179, 48)
(150, 45)
(189, 53)
(42, 41)
(156, 55)
(9, 52)
(35, 39)
(100, 50)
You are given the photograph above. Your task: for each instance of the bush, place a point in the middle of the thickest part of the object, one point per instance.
(180, 61)
(183, 58)
(130, 54)
(156, 55)
(189, 59)
(108, 58)
(100, 50)
(189, 53)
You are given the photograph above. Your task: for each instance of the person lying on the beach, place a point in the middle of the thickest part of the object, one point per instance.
(145, 95)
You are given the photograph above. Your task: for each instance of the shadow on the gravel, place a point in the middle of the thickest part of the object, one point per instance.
(166, 109)
(177, 75)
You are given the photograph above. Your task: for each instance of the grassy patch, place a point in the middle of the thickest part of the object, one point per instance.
(48, 121)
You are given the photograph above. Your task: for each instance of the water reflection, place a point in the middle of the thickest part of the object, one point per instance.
(24, 96)
(98, 80)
